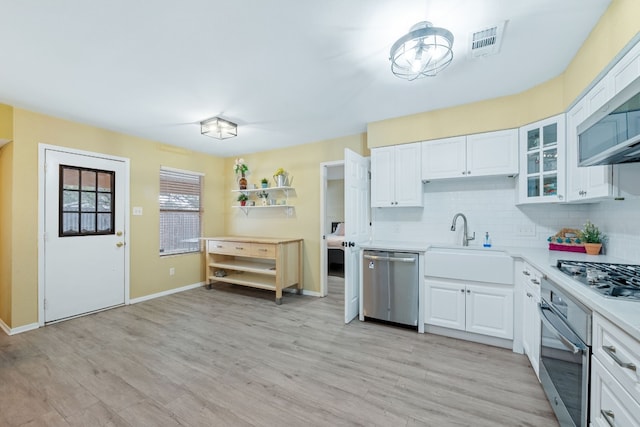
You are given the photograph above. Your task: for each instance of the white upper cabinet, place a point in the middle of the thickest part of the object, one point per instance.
(493, 153)
(444, 158)
(484, 154)
(592, 183)
(542, 161)
(586, 183)
(395, 176)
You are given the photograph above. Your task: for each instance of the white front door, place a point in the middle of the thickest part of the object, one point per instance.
(356, 227)
(84, 234)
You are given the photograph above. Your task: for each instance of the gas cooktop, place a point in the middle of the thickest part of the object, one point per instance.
(611, 280)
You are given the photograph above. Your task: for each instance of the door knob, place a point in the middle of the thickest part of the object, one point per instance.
(119, 233)
(119, 244)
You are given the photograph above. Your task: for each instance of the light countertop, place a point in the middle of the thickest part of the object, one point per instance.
(625, 314)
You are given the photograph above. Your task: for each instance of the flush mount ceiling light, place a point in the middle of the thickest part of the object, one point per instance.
(422, 52)
(218, 128)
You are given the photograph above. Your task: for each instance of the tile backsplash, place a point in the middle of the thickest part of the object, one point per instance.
(490, 206)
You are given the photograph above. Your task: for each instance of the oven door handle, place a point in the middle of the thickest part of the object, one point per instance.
(574, 347)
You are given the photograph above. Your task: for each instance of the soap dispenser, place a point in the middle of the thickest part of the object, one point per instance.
(487, 240)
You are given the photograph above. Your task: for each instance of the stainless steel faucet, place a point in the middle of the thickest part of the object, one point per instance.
(465, 236)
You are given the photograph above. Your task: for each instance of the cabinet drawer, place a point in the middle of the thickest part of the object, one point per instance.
(229, 248)
(611, 343)
(610, 404)
(263, 250)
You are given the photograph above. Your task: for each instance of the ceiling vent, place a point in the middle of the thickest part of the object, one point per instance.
(486, 41)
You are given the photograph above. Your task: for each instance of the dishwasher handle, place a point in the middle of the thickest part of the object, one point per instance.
(392, 259)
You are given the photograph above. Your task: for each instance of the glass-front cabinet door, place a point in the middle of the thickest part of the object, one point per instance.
(542, 148)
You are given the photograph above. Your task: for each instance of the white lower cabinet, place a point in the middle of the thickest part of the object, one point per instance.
(611, 405)
(478, 308)
(529, 283)
(615, 382)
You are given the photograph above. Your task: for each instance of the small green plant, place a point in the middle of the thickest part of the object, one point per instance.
(264, 181)
(242, 197)
(263, 195)
(591, 234)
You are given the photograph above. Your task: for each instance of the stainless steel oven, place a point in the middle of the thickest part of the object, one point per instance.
(565, 352)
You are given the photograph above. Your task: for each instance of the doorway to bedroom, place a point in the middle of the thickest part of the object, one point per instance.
(332, 227)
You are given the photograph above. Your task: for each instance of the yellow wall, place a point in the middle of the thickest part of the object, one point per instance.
(303, 164)
(149, 272)
(614, 30)
(6, 169)
(6, 122)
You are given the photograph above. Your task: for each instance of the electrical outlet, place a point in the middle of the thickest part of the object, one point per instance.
(172, 271)
(137, 210)
(526, 230)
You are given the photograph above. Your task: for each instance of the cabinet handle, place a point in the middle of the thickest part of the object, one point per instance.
(462, 290)
(468, 172)
(262, 250)
(611, 351)
(526, 273)
(609, 417)
(535, 281)
(468, 291)
(529, 294)
(464, 172)
(240, 248)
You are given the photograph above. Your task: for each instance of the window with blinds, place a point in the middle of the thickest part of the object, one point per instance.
(180, 211)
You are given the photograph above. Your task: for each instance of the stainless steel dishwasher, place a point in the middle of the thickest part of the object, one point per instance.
(390, 286)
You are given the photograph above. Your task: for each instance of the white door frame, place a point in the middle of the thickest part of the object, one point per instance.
(324, 287)
(42, 148)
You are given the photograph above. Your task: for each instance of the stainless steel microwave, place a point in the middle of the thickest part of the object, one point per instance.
(612, 135)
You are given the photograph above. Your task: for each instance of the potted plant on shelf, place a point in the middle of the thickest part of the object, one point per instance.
(592, 238)
(242, 198)
(264, 182)
(241, 168)
(263, 195)
(280, 177)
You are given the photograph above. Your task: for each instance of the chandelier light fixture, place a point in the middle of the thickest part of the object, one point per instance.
(218, 128)
(422, 52)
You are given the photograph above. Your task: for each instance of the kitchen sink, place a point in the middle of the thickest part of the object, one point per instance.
(469, 263)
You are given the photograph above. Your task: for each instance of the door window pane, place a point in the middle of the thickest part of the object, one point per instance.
(70, 179)
(70, 223)
(88, 223)
(88, 180)
(88, 202)
(104, 223)
(104, 181)
(90, 192)
(70, 201)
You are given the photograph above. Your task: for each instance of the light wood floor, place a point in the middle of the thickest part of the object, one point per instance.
(230, 356)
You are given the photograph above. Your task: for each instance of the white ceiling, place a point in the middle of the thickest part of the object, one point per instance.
(287, 71)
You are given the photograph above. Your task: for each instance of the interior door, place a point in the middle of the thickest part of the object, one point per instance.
(84, 242)
(356, 215)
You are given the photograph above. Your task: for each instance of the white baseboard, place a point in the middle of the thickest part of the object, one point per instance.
(12, 331)
(165, 293)
(304, 292)
(469, 336)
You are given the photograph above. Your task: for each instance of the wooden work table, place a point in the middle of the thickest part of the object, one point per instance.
(258, 262)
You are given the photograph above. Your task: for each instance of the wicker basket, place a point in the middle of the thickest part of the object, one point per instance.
(567, 240)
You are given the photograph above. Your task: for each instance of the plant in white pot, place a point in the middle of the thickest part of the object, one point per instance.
(592, 238)
(263, 195)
